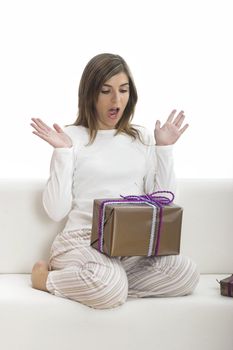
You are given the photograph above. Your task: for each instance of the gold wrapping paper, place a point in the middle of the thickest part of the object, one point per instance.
(127, 229)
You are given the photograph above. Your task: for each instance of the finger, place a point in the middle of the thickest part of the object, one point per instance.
(57, 128)
(178, 117)
(42, 136)
(36, 127)
(41, 124)
(184, 128)
(39, 129)
(157, 124)
(179, 120)
(171, 116)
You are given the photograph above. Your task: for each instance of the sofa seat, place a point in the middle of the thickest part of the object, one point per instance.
(164, 323)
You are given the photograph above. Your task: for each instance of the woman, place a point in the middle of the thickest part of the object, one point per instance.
(103, 155)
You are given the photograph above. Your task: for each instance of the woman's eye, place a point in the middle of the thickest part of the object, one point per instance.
(123, 91)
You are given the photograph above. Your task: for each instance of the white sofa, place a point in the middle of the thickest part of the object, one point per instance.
(35, 320)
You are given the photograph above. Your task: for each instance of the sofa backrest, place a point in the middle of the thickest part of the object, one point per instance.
(207, 231)
(26, 233)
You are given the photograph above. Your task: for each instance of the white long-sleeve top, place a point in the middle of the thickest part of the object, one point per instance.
(110, 167)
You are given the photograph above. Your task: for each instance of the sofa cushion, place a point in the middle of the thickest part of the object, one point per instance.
(202, 320)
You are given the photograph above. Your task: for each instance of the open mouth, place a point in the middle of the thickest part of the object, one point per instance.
(113, 113)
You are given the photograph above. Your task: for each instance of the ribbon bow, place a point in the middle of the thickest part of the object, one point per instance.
(152, 198)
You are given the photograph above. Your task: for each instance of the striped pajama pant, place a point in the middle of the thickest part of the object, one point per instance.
(81, 273)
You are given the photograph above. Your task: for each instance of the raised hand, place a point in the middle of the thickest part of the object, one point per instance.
(170, 132)
(55, 137)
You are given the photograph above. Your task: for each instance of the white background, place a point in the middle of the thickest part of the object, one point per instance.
(180, 53)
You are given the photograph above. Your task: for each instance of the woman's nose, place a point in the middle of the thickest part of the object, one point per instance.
(116, 96)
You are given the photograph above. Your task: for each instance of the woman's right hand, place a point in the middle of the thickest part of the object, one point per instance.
(55, 137)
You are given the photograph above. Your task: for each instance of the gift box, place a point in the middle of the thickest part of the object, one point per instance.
(226, 286)
(136, 227)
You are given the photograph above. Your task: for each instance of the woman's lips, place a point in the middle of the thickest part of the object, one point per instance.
(113, 113)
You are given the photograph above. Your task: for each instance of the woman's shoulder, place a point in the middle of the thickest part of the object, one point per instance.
(77, 133)
(146, 135)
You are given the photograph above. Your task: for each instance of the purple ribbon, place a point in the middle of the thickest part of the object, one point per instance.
(154, 199)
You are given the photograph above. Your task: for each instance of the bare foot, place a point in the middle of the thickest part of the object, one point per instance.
(39, 275)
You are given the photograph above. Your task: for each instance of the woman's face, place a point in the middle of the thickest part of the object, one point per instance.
(112, 100)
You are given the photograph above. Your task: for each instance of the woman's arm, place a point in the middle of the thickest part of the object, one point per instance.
(160, 175)
(57, 196)
(160, 165)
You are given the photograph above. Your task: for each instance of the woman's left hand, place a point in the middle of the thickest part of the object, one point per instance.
(170, 132)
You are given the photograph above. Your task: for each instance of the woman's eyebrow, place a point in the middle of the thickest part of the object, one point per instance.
(120, 85)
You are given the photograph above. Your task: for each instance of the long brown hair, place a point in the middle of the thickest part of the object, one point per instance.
(97, 71)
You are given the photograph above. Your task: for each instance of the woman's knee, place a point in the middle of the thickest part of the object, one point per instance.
(113, 295)
(164, 276)
(110, 287)
(187, 275)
